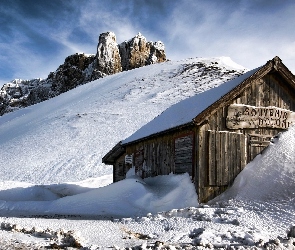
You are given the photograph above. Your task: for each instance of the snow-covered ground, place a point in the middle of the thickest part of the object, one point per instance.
(54, 190)
(257, 211)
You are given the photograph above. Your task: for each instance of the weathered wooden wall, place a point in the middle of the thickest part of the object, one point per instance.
(119, 169)
(168, 153)
(269, 91)
(184, 154)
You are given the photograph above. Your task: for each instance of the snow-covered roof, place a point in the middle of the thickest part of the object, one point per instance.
(185, 111)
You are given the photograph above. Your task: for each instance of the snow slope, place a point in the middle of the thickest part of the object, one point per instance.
(64, 139)
(127, 198)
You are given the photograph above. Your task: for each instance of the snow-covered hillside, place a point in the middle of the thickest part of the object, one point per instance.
(54, 190)
(64, 139)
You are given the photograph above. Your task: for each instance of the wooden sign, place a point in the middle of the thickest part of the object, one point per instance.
(129, 159)
(241, 116)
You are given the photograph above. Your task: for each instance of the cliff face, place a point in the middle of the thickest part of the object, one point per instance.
(108, 56)
(79, 69)
(137, 52)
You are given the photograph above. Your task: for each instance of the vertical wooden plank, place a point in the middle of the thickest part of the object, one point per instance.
(256, 93)
(243, 98)
(211, 157)
(202, 161)
(167, 157)
(217, 120)
(212, 122)
(158, 156)
(221, 157)
(218, 160)
(273, 92)
(243, 151)
(153, 153)
(234, 154)
(164, 152)
(265, 90)
(231, 158)
(138, 158)
(238, 154)
(261, 92)
(149, 157)
(171, 155)
(252, 96)
(224, 144)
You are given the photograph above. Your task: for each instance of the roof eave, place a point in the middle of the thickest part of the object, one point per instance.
(191, 123)
(113, 154)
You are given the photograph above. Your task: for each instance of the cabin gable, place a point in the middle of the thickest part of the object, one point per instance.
(241, 128)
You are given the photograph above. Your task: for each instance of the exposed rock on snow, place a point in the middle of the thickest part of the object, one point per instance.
(76, 70)
(59, 239)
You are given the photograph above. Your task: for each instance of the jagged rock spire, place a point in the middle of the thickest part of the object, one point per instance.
(108, 56)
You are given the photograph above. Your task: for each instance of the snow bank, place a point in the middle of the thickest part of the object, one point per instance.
(270, 176)
(130, 197)
(127, 198)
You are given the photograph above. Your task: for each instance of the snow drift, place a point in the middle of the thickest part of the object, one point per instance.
(127, 198)
(270, 176)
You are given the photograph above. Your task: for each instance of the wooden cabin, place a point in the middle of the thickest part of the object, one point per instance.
(214, 134)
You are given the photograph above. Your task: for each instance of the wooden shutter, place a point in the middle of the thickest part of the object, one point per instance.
(183, 154)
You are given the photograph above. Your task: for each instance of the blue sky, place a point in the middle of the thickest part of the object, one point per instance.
(37, 35)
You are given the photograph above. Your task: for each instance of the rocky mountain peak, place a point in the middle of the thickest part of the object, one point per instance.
(110, 58)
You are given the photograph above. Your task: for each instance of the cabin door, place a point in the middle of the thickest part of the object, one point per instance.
(227, 156)
(256, 144)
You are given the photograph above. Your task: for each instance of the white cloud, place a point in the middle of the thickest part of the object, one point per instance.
(95, 19)
(249, 35)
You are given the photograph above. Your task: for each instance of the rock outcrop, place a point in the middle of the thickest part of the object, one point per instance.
(108, 56)
(137, 52)
(79, 69)
(76, 70)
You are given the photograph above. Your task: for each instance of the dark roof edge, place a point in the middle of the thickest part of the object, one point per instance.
(118, 149)
(161, 132)
(278, 65)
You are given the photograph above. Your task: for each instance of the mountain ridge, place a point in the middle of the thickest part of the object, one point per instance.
(80, 68)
